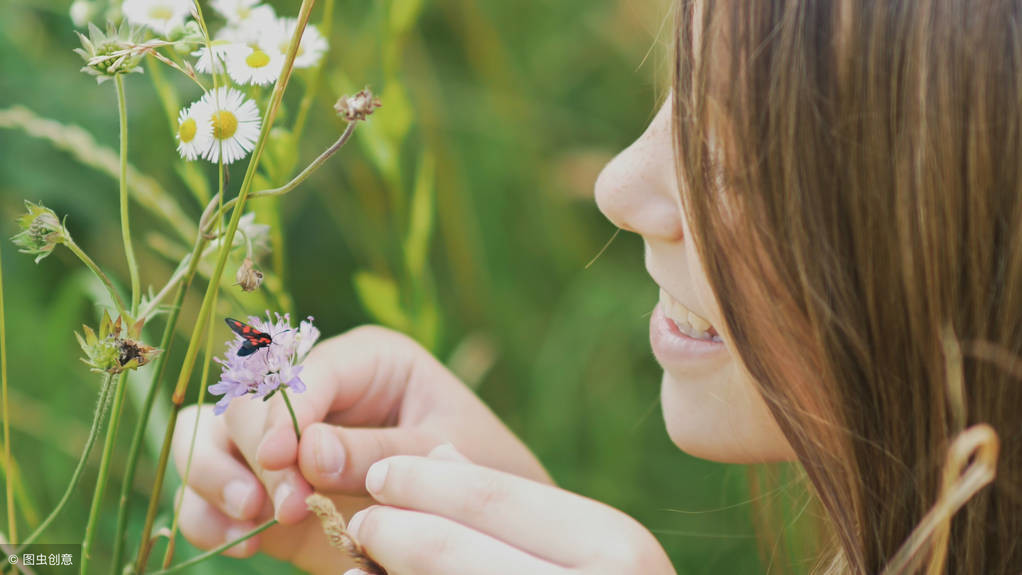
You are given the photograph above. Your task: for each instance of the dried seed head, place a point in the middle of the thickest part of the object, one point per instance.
(249, 277)
(41, 231)
(336, 532)
(357, 107)
(110, 53)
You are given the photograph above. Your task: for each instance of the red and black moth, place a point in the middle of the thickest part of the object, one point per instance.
(254, 339)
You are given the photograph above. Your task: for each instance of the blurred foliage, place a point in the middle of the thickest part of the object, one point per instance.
(463, 216)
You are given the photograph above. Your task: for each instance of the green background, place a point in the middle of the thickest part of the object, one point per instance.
(518, 104)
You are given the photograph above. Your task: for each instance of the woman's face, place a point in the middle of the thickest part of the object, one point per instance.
(710, 404)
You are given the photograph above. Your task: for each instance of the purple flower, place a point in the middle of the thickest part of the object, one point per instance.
(264, 371)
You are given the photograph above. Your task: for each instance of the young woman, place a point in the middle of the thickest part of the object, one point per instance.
(831, 202)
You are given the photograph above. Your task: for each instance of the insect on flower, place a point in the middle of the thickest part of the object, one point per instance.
(254, 339)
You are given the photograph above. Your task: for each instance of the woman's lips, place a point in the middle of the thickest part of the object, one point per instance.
(672, 347)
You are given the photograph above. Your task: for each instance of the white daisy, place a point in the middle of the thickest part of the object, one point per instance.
(162, 16)
(194, 130)
(221, 49)
(311, 49)
(260, 64)
(235, 122)
(246, 15)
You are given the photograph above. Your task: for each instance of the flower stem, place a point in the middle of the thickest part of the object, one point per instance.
(104, 469)
(291, 410)
(84, 257)
(147, 407)
(218, 550)
(12, 523)
(207, 362)
(129, 250)
(206, 310)
(97, 424)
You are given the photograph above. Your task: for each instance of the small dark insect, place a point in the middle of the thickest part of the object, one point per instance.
(254, 339)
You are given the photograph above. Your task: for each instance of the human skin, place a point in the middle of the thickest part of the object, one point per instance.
(444, 486)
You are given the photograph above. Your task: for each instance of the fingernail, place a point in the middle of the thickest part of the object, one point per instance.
(283, 491)
(329, 453)
(356, 522)
(355, 572)
(236, 495)
(376, 476)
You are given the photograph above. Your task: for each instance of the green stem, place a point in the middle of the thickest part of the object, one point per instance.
(97, 424)
(291, 410)
(12, 523)
(214, 552)
(206, 310)
(150, 399)
(104, 469)
(301, 177)
(168, 555)
(118, 302)
(129, 250)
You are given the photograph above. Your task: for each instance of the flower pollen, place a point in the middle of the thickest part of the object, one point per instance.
(225, 124)
(186, 131)
(257, 59)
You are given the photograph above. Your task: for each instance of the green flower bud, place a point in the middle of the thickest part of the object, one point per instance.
(111, 53)
(109, 352)
(41, 231)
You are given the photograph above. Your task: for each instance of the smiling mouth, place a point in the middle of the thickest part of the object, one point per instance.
(688, 322)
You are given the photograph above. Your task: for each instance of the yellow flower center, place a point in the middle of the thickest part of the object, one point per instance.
(186, 131)
(257, 59)
(161, 13)
(225, 124)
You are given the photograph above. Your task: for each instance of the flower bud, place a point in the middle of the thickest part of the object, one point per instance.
(111, 53)
(249, 278)
(41, 231)
(357, 107)
(111, 353)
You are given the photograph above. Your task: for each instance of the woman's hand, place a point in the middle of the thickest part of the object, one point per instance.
(372, 393)
(442, 515)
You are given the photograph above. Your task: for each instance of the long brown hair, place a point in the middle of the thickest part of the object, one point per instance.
(852, 176)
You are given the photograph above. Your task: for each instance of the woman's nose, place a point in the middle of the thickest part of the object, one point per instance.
(638, 189)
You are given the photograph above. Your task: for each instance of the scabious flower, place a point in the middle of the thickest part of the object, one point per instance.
(258, 64)
(310, 49)
(248, 277)
(236, 125)
(194, 130)
(265, 371)
(162, 16)
(41, 231)
(110, 53)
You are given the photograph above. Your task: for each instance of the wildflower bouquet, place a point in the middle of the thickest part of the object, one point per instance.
(238, 57)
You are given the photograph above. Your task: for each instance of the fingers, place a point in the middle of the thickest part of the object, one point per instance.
(216, 475)
(499, 504)
(406, 541)
(206, 527)
(335, 459)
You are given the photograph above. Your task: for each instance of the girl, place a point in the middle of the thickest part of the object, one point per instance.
(831, 203)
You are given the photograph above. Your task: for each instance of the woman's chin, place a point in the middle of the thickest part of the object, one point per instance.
(716, 427)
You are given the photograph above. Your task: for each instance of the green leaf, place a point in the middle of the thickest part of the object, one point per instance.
(396, 116)
(381, 299)
(420, 222)
(403, 15)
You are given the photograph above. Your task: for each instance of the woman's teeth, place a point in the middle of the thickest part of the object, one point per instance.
(687, 322)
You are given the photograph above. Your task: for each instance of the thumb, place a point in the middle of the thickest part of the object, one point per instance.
(335, 459)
